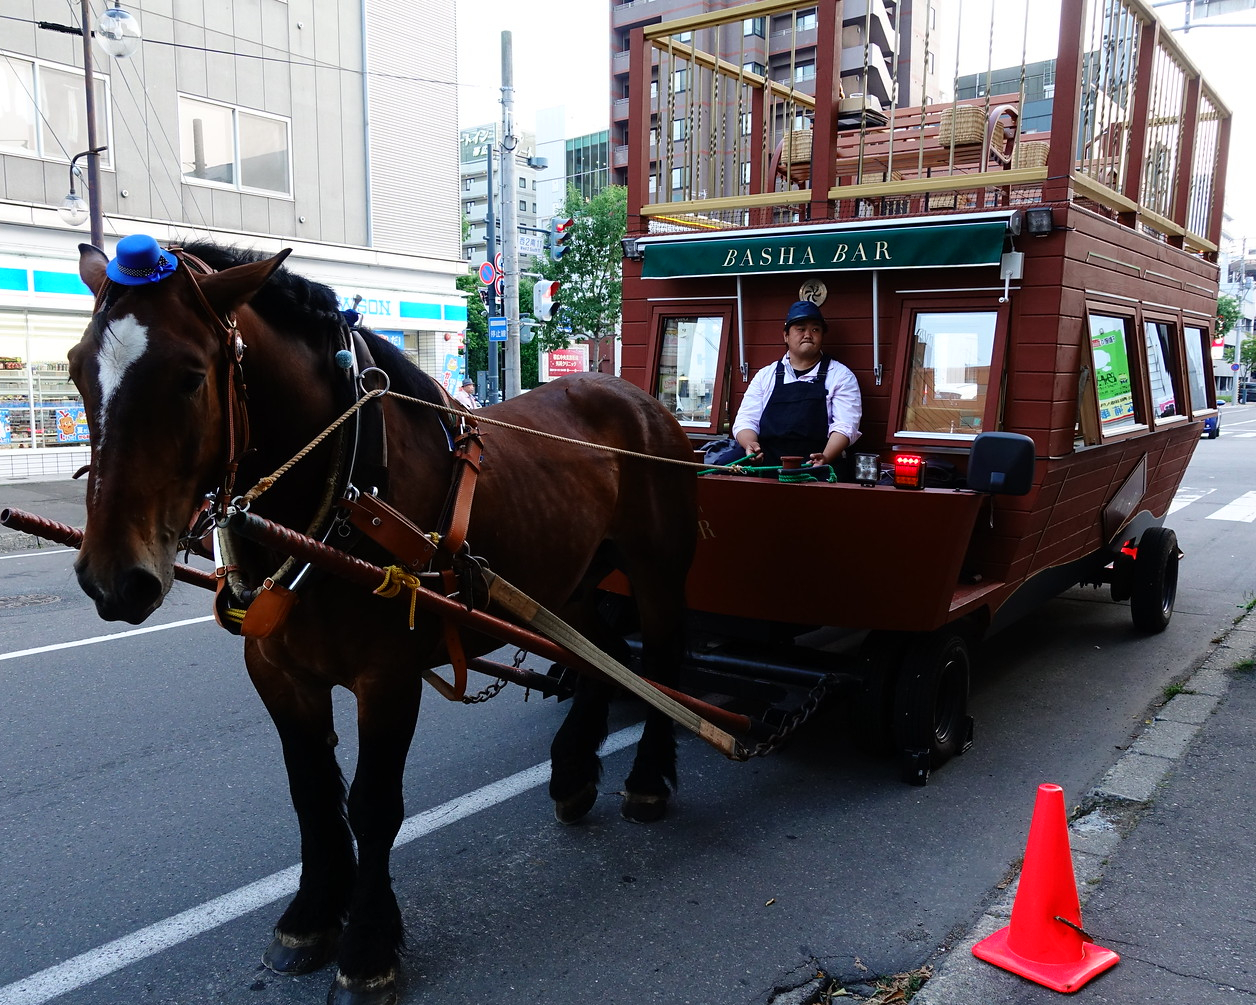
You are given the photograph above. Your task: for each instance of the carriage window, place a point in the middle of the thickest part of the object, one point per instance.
(949, 372)
(1109, 350)
(1196, 375)
(1163, 371)
(687, 367)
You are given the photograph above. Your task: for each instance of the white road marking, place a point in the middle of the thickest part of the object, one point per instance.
(102, 638)
(1242, 510)
(1243, 436)
(1184, 497)
(40, 551)
(96, 963)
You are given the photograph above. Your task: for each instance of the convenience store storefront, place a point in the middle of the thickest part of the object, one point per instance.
(44, 308)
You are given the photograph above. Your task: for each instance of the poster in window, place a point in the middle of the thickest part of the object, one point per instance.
(1112, 374)
(71, 425)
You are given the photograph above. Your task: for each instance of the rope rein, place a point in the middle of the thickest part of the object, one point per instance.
(264, 484)
(480, 418)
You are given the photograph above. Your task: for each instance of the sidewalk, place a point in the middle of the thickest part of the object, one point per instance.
(1162, 853)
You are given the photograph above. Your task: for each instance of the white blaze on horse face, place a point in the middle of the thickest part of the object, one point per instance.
(123, 343)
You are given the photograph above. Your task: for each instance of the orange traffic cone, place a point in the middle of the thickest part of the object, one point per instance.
(1045, 941)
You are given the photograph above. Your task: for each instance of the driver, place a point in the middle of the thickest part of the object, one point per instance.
(805, 404)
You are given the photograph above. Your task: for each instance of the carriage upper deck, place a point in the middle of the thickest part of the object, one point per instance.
(1003, 262)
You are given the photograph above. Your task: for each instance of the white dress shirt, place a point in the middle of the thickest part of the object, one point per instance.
(843, 402)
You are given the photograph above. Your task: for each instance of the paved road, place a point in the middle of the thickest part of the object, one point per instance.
(141, 779)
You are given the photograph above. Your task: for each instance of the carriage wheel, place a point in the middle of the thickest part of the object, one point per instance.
(872, 711)
(931, 720)
(1154, 586)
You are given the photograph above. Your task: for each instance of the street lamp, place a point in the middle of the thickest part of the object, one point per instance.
(117, 31)
(74, 209)
(119, 36)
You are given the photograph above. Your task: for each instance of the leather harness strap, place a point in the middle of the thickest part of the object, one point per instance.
(468, 454)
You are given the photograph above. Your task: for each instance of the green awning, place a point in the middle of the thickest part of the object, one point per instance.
(941, 245)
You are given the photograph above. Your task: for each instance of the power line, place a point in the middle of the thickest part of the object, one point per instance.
(309, 63)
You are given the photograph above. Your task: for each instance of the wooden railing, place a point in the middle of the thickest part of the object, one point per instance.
(719, 144)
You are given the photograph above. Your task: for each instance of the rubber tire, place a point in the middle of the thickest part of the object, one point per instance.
(1214, 432)
(931, 702)
(1154, 587)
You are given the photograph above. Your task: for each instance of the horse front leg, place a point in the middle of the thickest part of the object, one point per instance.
(306, 934)
(373, 937)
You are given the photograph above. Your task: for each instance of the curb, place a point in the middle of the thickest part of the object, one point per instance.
(11, 541)
(1107, 814)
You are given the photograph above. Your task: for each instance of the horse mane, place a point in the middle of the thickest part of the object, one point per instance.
(310, 310)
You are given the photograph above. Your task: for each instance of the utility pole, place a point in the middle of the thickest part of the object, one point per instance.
(510, 222)
(97, 214)
(493, 388)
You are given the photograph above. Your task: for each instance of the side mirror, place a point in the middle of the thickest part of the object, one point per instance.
(1002, 464)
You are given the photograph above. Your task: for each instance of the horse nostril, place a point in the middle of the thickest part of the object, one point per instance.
(138, 590)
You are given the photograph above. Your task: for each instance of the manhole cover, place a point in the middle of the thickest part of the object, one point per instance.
(27, 600)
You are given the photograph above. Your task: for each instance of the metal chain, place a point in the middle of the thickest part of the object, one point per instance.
(488, 694)
(813, 701)
(497, 686)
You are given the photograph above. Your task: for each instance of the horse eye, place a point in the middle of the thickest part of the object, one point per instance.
(192, 382)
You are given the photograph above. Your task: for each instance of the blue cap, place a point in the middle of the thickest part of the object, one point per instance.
(139, 259)
(805, 310)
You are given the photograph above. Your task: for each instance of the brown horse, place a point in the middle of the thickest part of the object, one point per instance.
(226, 368)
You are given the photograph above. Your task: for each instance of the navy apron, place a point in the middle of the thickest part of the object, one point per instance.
(795, 421)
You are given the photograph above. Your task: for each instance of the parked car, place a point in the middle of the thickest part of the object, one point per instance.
(1212, 426)
(1247, 392)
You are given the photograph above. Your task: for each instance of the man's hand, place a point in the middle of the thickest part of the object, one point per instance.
(750, 444)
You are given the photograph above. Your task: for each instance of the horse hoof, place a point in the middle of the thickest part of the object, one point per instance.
(363, 991)
(642, 809)
(300, 954)
(568, 811)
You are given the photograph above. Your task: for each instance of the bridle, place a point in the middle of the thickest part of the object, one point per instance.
(234, 391)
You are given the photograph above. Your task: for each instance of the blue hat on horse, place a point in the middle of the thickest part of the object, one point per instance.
(805, 310)
(138, 260)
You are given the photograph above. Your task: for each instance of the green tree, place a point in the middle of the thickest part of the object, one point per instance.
(591, 295)
(1229, 313)
(477, 325)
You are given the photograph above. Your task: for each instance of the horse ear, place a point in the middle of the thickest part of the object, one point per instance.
(228, 289)
(92, 262)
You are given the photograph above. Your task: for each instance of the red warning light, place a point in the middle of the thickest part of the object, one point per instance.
(909, 471)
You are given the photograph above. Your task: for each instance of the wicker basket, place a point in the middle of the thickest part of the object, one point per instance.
(1030, 154)
(968, 122)
(797, 148)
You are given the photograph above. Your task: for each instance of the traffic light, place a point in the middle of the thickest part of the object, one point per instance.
(543, 299)
(526, 325)
(560, 231)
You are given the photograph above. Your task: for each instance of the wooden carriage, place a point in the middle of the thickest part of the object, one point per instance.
(981, 280)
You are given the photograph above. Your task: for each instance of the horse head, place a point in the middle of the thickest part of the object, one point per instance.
(156, 368)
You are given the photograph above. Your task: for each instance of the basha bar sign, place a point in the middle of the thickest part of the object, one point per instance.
(938, 246)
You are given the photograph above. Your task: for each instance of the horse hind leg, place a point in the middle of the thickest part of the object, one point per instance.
(575, 768)
(658, 585)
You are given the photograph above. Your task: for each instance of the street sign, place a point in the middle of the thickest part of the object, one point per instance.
(497, 329)
(488, 273)
(1234, 367)
(531, 245)
(500, 286)
(497, 263)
